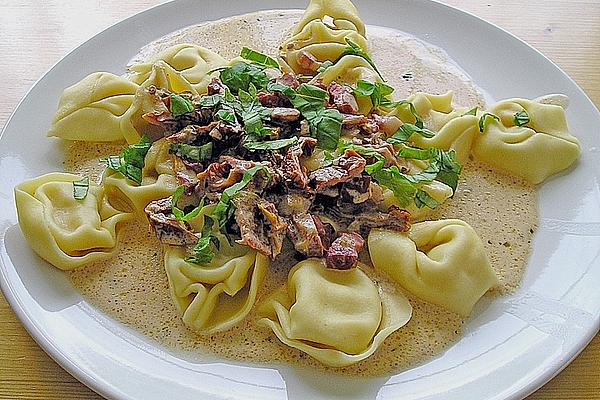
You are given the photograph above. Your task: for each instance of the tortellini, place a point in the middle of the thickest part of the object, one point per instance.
(64, 231)
(158, 181)
(343, 13)
(215, 296)
(187, 67)
(338, 317)
(442, 262)
(439, 191)
(535, 151)
(94, 108)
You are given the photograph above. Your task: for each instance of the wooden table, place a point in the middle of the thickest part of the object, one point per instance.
(34, 35)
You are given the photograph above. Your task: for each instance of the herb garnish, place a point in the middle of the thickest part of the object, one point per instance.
(271, 144)
(354, 49)
(521, 118)
(81, 188)
(324, 65)
(241, 75)
(131, 160)
(472, 111)
(177, 212)
(483, 121)
(378, 92)
(179, 105)
(258, 58)
(191, 152)
(226, 115)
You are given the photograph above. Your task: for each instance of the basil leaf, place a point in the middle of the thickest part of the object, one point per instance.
(324, 65)
(326, 126)
(258, 58)
(378, 92)
(404, 190)
(81, 188)
(240, 75)
(191, 152)
(472, 111)
(446, 168)
(271, 144)
(521, 118)
(279, 87)
(355, 50)
(179, 105)
(203, 252)
(415, 154)
(422, 198)
(226, 116)
(406, 131)
(309, 98)
(413, 111)
(483, 120)
(131, 161)
(210, 101)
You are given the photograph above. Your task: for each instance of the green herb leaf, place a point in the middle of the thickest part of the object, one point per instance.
(406, 131)
(271, 144)
(378, 92)
(258, 58)
(203, 252)
(422, 198)
(355, 50)
(404, 190)
(472, 111)
(483, 121)
(326, 125)
(225, 115)
(521, 118)
(179, 105)
(324, 65)
(240, 75)
(131, 161)
(210, 101)
(81, 188)
(309, 98)
(190, 152)
(415, 154)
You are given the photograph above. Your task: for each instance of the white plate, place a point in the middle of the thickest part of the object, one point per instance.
(510, 347)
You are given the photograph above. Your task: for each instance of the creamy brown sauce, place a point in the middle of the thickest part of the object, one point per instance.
(132, 287)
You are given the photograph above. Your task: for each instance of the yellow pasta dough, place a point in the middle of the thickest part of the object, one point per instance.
(337, 317)
(191, 63)
(535, 151)
(442, 262)
(158, 181)
(93, 109)
(343, 14)
(66, 232)
(215, 296)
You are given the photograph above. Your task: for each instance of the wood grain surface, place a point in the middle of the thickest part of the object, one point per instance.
(36, 34)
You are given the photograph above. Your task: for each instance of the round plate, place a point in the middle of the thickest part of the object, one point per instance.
(511, 345)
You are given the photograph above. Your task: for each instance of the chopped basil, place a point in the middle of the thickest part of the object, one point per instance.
(406, 131)
(309, 98)
(472, 111)
(225, 115)
(326, 64)
(415, 154)
(378, 92)
(271, 144)
(81, 188)
(191, 152)
(422, 198)
(326, 125)
(131, 161)
(483, 121)
(210, 101)
(203, 252)
(355, 50)
(521, 118)
(258, 58)
(252, 112)
(404, 190)
(177, 212)
(240, 75)
(179, 105)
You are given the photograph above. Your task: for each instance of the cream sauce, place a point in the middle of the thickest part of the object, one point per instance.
(132, 287)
